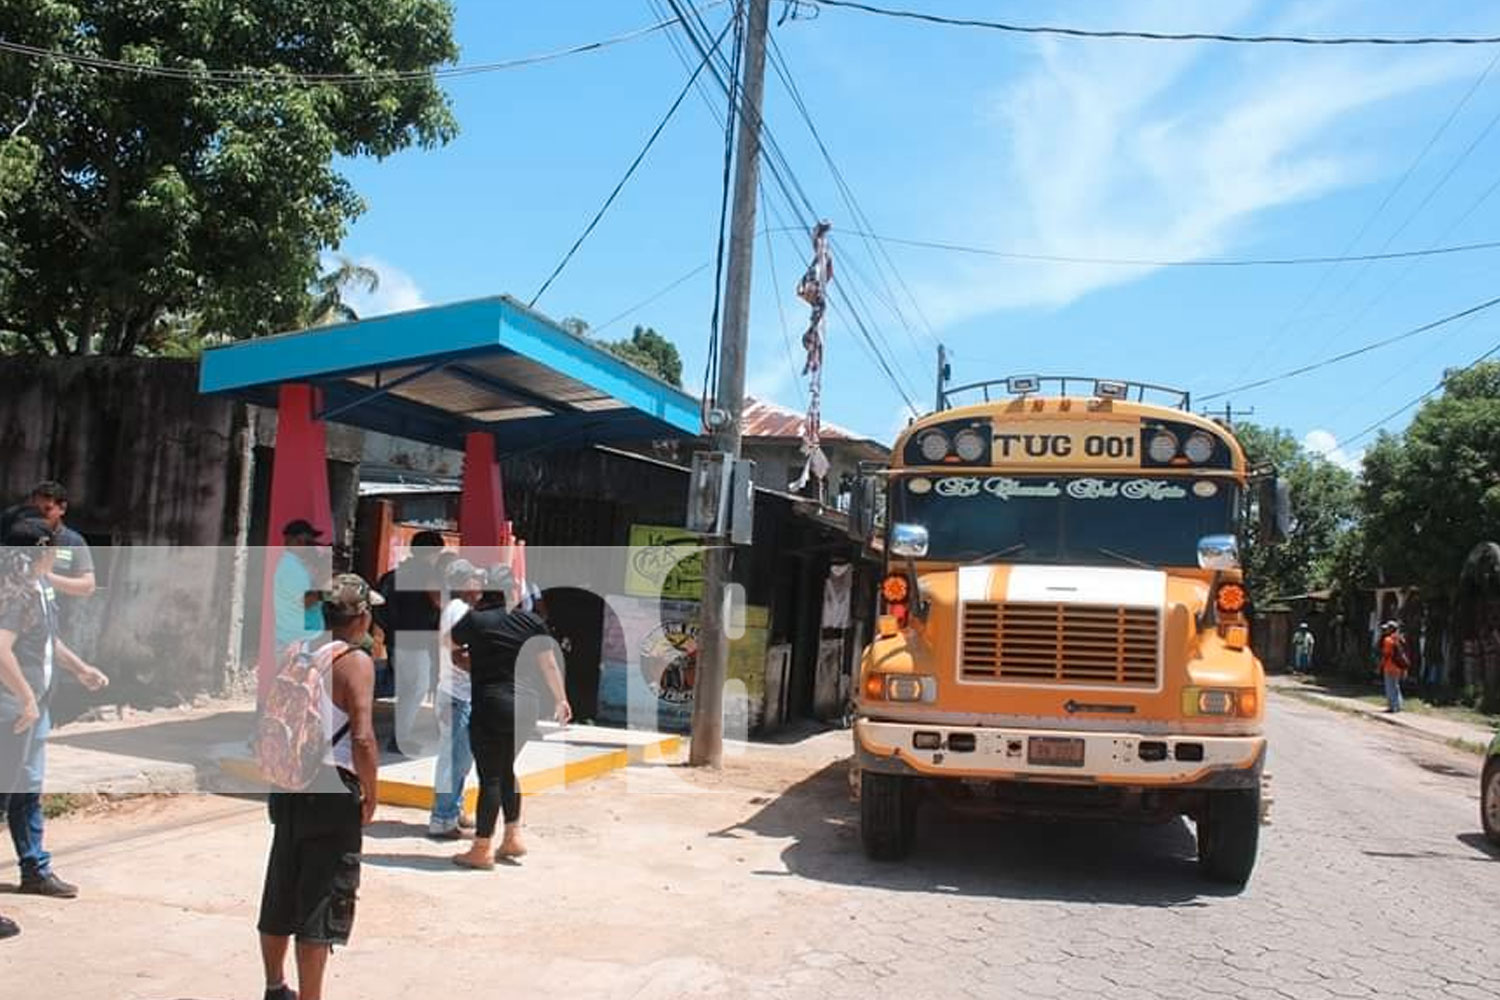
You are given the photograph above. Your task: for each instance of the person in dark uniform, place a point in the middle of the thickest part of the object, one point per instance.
(505, 650)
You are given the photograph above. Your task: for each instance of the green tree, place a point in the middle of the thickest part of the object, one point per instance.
(327, 304)
(650, 352)
(149, 198)
(1323, 508)
(1432, 493)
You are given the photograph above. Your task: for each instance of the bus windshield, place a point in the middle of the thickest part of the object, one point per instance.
(1130, 520)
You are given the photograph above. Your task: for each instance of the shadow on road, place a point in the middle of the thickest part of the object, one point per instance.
(981, 856)
(416, 862)
(1480, 843)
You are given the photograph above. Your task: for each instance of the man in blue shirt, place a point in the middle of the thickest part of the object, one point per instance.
(296, 596)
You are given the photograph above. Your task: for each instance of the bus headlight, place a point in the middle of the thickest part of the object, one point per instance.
(1241, 702)
(969, 445)
(901, 687)
(1163, 446)
(934, 446)
(1199, 447)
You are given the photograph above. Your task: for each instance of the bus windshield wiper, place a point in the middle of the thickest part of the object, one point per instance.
(1009, 550)
(1124, 558)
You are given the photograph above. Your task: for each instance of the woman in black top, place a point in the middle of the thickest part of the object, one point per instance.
(502, 647)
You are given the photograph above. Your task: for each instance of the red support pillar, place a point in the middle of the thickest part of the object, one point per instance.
(299, 489)
(481, 511)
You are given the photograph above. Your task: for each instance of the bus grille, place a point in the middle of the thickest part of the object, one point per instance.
(1060, 644)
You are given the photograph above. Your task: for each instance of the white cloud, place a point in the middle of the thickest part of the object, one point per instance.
(1162, 152)
(1324, 443)
(397, 291)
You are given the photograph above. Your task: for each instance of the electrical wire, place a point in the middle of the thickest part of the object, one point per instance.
(1354, 353)
(1157, 36)
(786, 332)
(711, 359)
(1176, 262)
(1372, 428)
(778, 62)
(654, 296)
(237, 77)
(795, 196)
(629, 172)
(1390, 195)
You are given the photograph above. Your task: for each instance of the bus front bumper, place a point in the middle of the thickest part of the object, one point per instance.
(1059, 756)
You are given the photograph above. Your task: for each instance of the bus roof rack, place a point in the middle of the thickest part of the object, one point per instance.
(1105, 388)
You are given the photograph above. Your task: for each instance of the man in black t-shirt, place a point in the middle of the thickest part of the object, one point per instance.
(73, 572)
(410, 622)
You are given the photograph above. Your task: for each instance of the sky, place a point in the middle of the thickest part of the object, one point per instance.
(1023, 144)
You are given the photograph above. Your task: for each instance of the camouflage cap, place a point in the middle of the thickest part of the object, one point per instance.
(349, 594)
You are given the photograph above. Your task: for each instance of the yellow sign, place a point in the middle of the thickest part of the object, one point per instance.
(664, 562)
(1061, 443)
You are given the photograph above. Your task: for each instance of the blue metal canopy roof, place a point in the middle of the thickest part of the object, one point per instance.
(435, 374)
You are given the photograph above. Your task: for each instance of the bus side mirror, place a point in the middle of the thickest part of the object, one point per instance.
(1274, 510)
(864, 503)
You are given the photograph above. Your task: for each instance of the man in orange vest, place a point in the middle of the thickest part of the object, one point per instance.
(1394, 662)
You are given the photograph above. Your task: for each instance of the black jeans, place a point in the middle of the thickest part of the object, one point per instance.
(499, 726)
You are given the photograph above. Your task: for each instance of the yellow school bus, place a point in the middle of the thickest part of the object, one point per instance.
(1063, 624)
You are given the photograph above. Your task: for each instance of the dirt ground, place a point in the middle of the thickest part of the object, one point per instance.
(170, 888)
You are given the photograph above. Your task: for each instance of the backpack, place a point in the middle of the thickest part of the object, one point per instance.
(290, 741)
(1399, 654)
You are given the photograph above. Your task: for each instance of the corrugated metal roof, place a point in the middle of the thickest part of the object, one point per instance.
(761, 419)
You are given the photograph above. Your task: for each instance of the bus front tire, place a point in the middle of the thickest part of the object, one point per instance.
(887, 815)
(1229, 835)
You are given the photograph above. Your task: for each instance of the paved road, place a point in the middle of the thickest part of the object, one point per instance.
(1372, 883)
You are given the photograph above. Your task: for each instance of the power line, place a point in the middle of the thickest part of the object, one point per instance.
(711, 359)
(1390, 285)
(1354, 353)
(1177, 262)
(796, 198)
(235, 77)
(784, 71)
(1372, 428)
(652, 298)
(786, 333)
(630, 171)
(1390, 196)
(1158, 36)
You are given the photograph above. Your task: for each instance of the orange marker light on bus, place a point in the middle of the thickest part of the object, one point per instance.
(1231, 598)
(895, 588)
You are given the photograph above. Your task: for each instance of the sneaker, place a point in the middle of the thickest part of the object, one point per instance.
(48, 885)
(443, 831)
(282, 992)
(8, 928)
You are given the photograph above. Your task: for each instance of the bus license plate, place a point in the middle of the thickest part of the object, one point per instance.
(1054, 751)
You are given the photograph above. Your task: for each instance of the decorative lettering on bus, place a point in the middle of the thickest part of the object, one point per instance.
(1004, 488)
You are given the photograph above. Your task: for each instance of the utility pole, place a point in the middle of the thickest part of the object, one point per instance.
(1230, 414)
(943, 373)
(707, 746)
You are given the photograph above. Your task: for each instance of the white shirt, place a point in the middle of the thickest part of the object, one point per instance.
(452, 681)
(43, 591)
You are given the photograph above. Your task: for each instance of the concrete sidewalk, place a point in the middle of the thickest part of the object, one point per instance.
(206, 749)
(1437, 728)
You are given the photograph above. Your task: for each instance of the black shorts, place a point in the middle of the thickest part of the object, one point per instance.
(312, 878)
